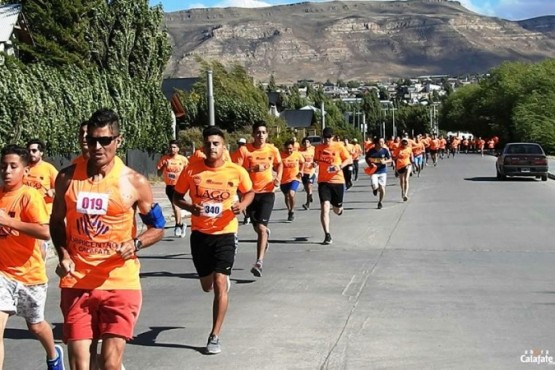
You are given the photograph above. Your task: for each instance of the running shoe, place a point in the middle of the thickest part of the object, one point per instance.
(246, 220)
(327, 240)
(306, 206)
(177, 231)
(291, 217)
(405, 198)
(213, 346)
(58, 363)
(257, 269)
(375, 192)
(380, 205)
(183, 230)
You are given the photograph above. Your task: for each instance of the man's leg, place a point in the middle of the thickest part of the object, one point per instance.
(220, 302)
(111, 354)
(79, 353)
(3, 321)
(43, 332)
(325, 216)
(262, 241)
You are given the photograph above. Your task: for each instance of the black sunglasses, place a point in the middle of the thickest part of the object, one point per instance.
(102, 140)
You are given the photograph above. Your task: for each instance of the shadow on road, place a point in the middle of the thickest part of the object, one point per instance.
(148, 339)
(180, 256)
(187, 275)
(13, 333)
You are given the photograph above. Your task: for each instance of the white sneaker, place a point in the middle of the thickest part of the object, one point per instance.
(177, 231)
(183, 230)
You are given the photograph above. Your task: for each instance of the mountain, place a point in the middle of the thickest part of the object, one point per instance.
(354, 40)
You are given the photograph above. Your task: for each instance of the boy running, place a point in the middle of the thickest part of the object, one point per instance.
(293, 161)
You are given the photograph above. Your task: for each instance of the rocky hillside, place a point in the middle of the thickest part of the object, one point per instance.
(354, 40)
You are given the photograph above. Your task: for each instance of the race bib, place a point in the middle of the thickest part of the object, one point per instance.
(212, 210)
(332, 169)
(172, 176)
(92, 203)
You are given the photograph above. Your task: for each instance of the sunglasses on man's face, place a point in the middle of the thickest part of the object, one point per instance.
(102, 140)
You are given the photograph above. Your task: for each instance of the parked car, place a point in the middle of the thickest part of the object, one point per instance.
(315, 140)
(522, 159)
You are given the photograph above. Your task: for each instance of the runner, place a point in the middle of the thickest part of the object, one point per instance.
(442, 146)
(418, 150)
(480, 144)
(171, 166)
(348, 170)
(293, 162)
(331, 157)
(260, 158)
(403, 159)
(94, 232)
(41, 175)
(23, 280)
(235, 156)
(378, 158)
(357, 152)
(434, 148)
(212, 185)
(309, 171)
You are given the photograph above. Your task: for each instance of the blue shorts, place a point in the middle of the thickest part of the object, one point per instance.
(419, 160)
(293, 185)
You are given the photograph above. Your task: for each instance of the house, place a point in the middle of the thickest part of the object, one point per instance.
(170, 86)
(297, 118)
(12, 27)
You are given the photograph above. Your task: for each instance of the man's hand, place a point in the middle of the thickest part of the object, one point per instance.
(126, 249)
(196, 209)
(66, 266)
(276, 182)
(237, 207)
(50, 193)
(4, 218)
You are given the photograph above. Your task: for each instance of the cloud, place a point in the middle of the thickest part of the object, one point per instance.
(242, 4)
(196, 6)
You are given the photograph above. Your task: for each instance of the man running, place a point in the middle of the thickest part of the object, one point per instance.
(332, 157)
(94, 231)
(348, 171)
(171, 165)
(357, 152)
(23, 280)
(309, 170)
(212, 185)
(261, 159)
(293, 162)
(379, 157)
(403, 159)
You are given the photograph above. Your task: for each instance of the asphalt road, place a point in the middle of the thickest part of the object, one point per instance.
(459, 277)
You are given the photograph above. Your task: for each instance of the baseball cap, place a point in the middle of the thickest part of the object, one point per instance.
(355, 140)
(242, 141)
(328, 132)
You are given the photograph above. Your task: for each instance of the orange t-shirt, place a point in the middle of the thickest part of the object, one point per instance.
(418, 148)
(357, 151)
(172, 165)
(42, 177)
(434, 144)
(97, 222)
(403, 157)
(328, 156)
(259, 164)
(215, 189)
(20, 255)
(235, 156)
(480, 144)
(454, 143)
(442, 143)
(426, 141)
(80, 159)
(292, 165)
(309, 167)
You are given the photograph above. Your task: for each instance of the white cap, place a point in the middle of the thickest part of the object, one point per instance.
(242, 140)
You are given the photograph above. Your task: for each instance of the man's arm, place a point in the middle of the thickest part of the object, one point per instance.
(57, 221)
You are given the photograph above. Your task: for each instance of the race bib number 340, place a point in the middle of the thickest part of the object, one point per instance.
(92, 203)
(212, 210)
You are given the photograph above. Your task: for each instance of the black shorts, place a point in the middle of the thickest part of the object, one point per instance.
(332, 193)
(433, 151)
(308, 179)
(402, 170)
(213, 253)
(170, 190)
(261, 207)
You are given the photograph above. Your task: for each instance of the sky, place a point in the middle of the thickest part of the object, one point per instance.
(507, 9)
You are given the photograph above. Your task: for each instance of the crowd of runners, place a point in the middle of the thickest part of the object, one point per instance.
(88, 212)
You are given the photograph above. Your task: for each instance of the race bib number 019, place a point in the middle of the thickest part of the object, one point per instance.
(212, 210)
(92, 203)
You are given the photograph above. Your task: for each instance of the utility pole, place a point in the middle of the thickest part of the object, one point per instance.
(323, 116)
(211, 118)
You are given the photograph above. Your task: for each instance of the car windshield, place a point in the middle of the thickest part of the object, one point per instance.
(524, 149)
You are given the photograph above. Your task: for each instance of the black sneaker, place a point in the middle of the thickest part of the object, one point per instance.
(306, 206)
(379, 205)
(247, 221)
(375, 192)
(256, 269)
(327, 240)
(291, 217)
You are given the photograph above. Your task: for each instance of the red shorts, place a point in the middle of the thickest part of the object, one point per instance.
(89, 314)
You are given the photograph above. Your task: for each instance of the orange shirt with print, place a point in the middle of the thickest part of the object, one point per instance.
(309, 167)
(403, 157)
(357, 152)
(259, 163)
(480, 144)
(426, 141)
(292, 166)
(20, 254)
(418, 148)
(42, 177)
(454, 143)
(434, 144)
(98, 221)
(172, 165)
(442, 143)
(329, 158)
(235, 155)
(215, 189)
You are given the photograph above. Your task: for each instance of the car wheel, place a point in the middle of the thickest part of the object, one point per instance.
(544, 177)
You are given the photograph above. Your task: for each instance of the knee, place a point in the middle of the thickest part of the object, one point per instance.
(35, 329)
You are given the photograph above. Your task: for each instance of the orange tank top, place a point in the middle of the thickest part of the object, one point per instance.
(97, 222)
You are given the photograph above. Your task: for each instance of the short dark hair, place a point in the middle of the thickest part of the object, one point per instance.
(306, 139)
(212, 130)
(258, 124)
(175, 142)
(22, 152)
(104, 117)
(328, 132)
(289, 142)
(39, 143)
(84, 123)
